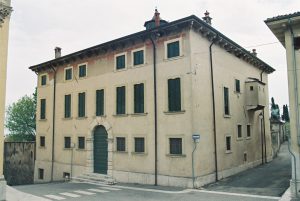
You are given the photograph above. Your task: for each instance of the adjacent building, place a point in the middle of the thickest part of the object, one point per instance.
(5, 11)
(128, 108)
(287, 29)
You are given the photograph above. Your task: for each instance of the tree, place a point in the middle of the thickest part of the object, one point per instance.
(285, 115)
(275, 111)
(20, 119)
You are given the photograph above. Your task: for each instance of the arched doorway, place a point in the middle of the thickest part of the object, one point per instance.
(100, 150)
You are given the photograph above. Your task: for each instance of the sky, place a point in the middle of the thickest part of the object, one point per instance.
(37, 27)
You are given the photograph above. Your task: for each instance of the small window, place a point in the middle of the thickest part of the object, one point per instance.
(67, 106)
(41, 173)
(248, 131)
(174, 95)
(173, 49)
(81, 104)
(120, 62)
(175, 146)
(139, 144)
(43, 80)
(81, 142)
(121, 144)
(138, 57)
(82, 71)
(228, 143)
(226, 101)
(99, 102)
(43, 109)
(251, 88)
(67, 142)
(121, 100)
(297, 43)
(139, 98)
(42, 141)
(68, 73)
(237, 86)
(239, 131)
(66, 175)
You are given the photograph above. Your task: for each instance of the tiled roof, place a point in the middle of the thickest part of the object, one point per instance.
(282, 17)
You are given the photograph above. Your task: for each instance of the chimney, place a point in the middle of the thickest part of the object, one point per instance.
(254, 52)
(207, 18)
(157, 18)
(57, 52)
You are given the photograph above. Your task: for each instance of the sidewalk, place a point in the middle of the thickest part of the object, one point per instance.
(15, 195)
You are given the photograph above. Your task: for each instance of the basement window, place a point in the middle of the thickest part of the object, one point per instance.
(297, 43)
(66, 175)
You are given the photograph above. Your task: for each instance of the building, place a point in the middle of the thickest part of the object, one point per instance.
(128, 108)
(287, 29)
(5, 11)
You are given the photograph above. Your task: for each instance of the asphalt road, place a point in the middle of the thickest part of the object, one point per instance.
(271, 179)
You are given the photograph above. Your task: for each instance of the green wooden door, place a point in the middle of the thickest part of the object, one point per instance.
(100, 150)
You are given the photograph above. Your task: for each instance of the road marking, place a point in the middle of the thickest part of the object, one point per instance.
(237, 194)
(97, 190)
(55, 197)
(70, 195)
(111, 189)
(84, 192)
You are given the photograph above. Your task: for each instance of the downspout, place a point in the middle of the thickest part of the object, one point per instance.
(214, 108)
(264, 126)
(296, 102)
(155, 110)
(53, 122)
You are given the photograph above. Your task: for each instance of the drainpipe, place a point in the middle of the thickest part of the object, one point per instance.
(53, 123)
(214, 108)
(264, 126)
(296, 99)
(155, 108)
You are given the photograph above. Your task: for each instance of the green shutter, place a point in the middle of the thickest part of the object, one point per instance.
(138, 57)
(100, 102)
(68, 74)
(174, 95)
(173, 49)
(81, 104)
(43, 109)
(121, 100)
(67, 106)
(82, 71)
(120, 60)
(139, 98)
(226, 101)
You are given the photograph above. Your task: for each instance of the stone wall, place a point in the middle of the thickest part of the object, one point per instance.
(19, 160)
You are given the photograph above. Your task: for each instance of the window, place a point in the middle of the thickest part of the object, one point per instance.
(121, 98)
(239, 131)
(174, 95)
(175, 146)
(226, 101)
(68, 106)
(120, 62)
(81, 104)
(121, 144)
(67, 142)
(237, 86)
(173, 49)
(99, 102)
(248, 131)
(297, 43)
(66, 175)
(228, 143)
(251, 88)
(43, 109)
(43, 80)
(68, 73)
(82, 71)
(139, 98)
(81, 142)
(41, 173)
(139, 144)
(138, 57)
(42, 141)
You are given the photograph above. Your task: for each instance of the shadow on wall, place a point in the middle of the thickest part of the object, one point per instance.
(19, 160)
